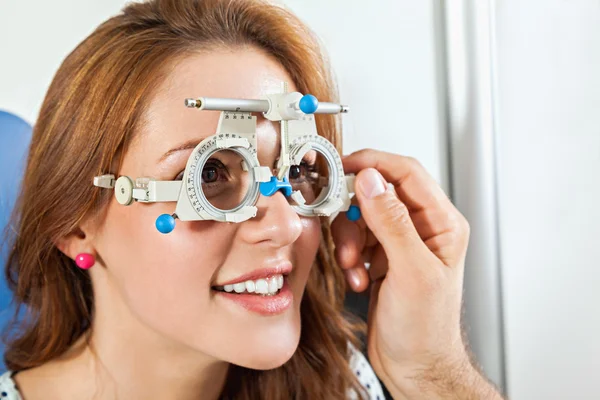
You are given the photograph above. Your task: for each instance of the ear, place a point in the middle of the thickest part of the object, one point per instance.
(77, 242)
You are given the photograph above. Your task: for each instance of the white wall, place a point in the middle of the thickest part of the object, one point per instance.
(383, 55)
(35, 36)
(548, 103)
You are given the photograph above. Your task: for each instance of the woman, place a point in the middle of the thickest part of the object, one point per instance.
(147, 319)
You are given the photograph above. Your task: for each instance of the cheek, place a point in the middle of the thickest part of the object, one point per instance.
(163, 279)
(311, 229)
(305, 249)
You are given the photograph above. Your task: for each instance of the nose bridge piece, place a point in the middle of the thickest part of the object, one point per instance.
(274, 185)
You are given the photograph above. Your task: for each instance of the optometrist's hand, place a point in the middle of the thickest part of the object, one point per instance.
(416, 242)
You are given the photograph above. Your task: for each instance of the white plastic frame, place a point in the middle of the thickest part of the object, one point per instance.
(237, 131)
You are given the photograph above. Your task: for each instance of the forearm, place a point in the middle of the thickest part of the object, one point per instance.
(442, 381)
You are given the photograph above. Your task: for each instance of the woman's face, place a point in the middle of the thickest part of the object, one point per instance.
(165, 284)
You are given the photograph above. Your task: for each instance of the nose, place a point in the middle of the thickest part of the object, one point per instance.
(276, 223)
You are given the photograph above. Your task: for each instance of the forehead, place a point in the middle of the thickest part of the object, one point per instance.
(245, 73)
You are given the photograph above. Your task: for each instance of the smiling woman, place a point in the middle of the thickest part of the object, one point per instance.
(213, 310)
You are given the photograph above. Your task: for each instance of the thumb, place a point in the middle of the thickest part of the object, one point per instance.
(386, 216)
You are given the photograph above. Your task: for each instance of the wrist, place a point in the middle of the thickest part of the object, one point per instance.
(440, 378)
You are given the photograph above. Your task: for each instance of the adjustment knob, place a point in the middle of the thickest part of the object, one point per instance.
(124, 190)
(353, 213)
(165, 223)
(308, 104)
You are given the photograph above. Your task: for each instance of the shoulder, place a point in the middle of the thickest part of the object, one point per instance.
(365, 374)
(8, 389)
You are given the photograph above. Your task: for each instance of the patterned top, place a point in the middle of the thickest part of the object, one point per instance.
(366, 376)
(8, 390)
(358, 363)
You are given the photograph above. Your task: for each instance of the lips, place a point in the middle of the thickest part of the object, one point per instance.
(248, 290)
(262, 304)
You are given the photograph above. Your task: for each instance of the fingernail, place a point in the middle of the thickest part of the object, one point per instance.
(353, 278)
(371, 183)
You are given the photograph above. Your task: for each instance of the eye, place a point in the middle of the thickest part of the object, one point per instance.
(213, 171)
(302, 172)
(295, 172)
(209, 174)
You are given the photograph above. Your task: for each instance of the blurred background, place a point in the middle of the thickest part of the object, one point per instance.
(499, 99)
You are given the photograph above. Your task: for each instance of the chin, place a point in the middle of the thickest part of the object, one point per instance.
(270, 351)
(262, 361)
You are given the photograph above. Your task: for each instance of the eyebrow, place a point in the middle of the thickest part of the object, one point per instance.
(190, 144)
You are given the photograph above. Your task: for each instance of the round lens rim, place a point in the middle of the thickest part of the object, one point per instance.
(251, 196)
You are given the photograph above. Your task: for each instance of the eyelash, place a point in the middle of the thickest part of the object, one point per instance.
(310, 168)
(211, 162)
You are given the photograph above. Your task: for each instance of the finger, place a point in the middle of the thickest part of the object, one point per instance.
(388, 218)
(371, 239)
(358, 278)
(415, 187)
(440, 225)
(379, 264)
(367, 254)
(445, 234)
(349, 240)
(372, 315)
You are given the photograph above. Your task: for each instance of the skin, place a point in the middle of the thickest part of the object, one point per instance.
(153, 297)
(153, 291)
(416, 242)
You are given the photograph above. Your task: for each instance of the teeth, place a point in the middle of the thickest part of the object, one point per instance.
(262, 286)
(268, 286)
(273, 285)
(239, 287)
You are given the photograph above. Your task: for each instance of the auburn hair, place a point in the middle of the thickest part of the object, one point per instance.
(91, 111)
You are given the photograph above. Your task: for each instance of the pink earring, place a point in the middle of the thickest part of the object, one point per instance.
(85, 260)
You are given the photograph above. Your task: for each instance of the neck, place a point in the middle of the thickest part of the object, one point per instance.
(141, 367)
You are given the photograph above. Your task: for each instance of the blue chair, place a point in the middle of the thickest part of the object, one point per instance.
(15, 135)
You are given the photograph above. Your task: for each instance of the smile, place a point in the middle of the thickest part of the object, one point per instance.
(269, 286)
(265, 296)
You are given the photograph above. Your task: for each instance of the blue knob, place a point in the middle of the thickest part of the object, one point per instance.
(353, 213)
(165, 223)
(308, 104)
(271, 187)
